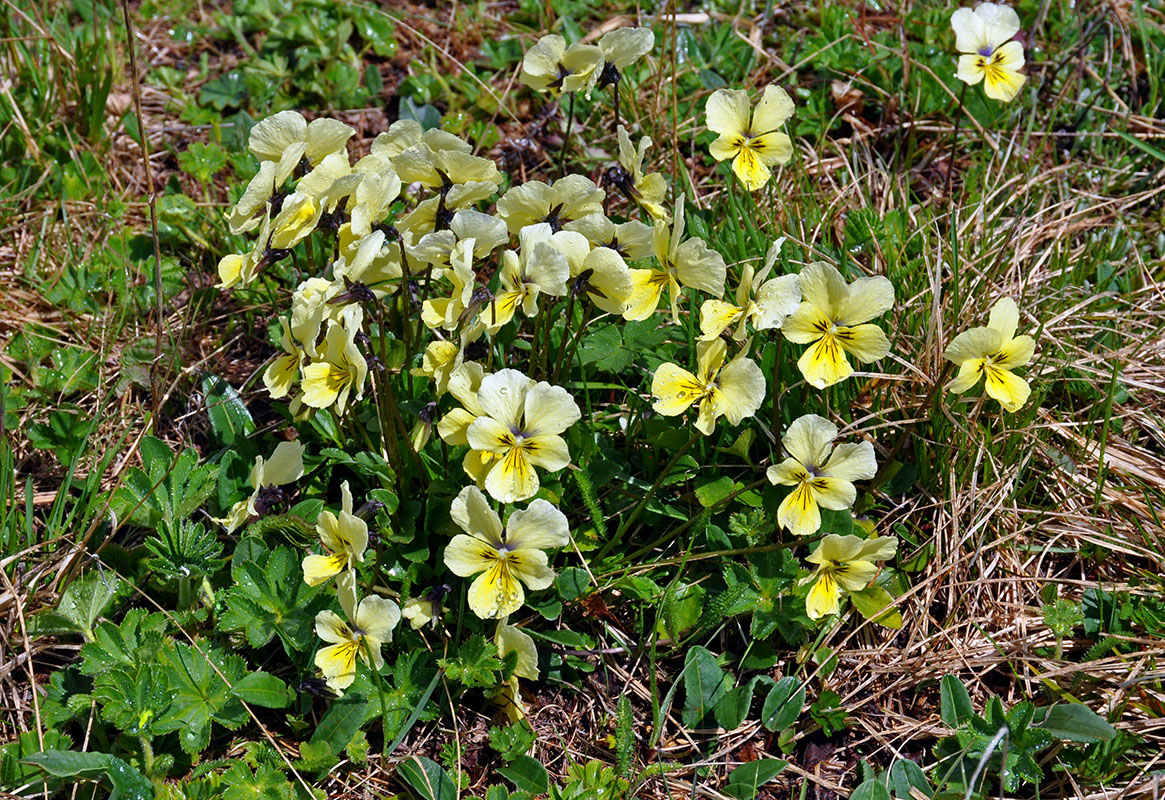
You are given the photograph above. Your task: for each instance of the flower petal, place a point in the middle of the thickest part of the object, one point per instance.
(1016, 353)
(866, 343)
(503, 396)
(1008, 388)
(1004, 318)
(833, 493)
(377, 616)
(496, 593)
(530, 566)
(512, 477)
(789, 472)
(740, 390)
(509, 640)
(715, 316)
(969, 374)
(727, 112)
(751, 169)
(331, 628)
(774, 108)
(865, 299)
(548, 451)
(808, 439)
(851, 462)
(824, 363)
(466, 555)
(539, 526)
(338, 664)
(823, 597)
(855, 575)
(549, 410)
(972, 344)
(970, 31)
(675, 389)
(317, 569)
(799, 513)
(471, 511)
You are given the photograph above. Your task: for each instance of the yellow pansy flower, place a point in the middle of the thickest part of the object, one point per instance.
(985, 38)
(285, 466)
(538, 268)
(765, 304)
(241, 268)
(568, 199)
(286, 137)
(372, 261)
(345, 537)
(441, 357)
(734, 391)
(445, 163)
(551, 66)
(371, 628)
(648, 190)
(754, 145)
(520, 424)
(843, 562)
(830, 319)
(342, 370)
(631, 239)
(505, 562)
(464, 384)
(821, 475)
(681, 263)
(992, 353)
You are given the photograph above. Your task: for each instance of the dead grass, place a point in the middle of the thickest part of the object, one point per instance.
(974, 611)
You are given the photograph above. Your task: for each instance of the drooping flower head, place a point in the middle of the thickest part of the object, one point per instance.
(345, 538)
(753, 145)
(820, 474)
(505, 562)
(510, 639)
(985, 38)
(843, 562)
(539, 267)
(764, 303)
(371, 627)
(681, 262)
(992, 353)
(551, 66)
(648, 190)
(342, 370)
(520, 424)
(831, 317)
(735, 390)
(285, 466)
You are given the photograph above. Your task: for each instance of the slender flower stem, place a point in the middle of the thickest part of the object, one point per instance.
(566, 137)
(954, 140)
(565, 336)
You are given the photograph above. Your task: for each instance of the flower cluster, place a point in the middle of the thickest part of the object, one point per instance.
(421, 284)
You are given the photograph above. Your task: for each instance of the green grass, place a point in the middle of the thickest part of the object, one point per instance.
(1030, 558)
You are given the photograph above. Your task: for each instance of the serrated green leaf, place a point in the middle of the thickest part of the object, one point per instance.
(125, 782)
(199, 694)
(954, 703)
(476, 664)
(84, 600)
(229, 418)
(270, 597)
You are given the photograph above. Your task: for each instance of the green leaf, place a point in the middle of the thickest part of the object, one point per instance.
(713, 492)
(168, 490)
(872, 789)
(125, 782)
(573, 582)
(85, 599)
(954, 703)
(135, 641)
(512, 740)
(262, 689)
(134, 698)
(270, 598)
(704, 685)
(428, 778)
(746, 780)
(199, 693)
(202, 161)
(265, 783)
(476, 665)
(783, 704)
(877, 604)
(341, 721)
(906, 777)
(603, 348)
(229, 418)
(733, 708)
(527, 774)
(15, 770)
(1074, 722)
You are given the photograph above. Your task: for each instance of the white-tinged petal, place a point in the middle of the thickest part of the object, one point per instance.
(471, 511)
(539, 526)
(808, 439)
